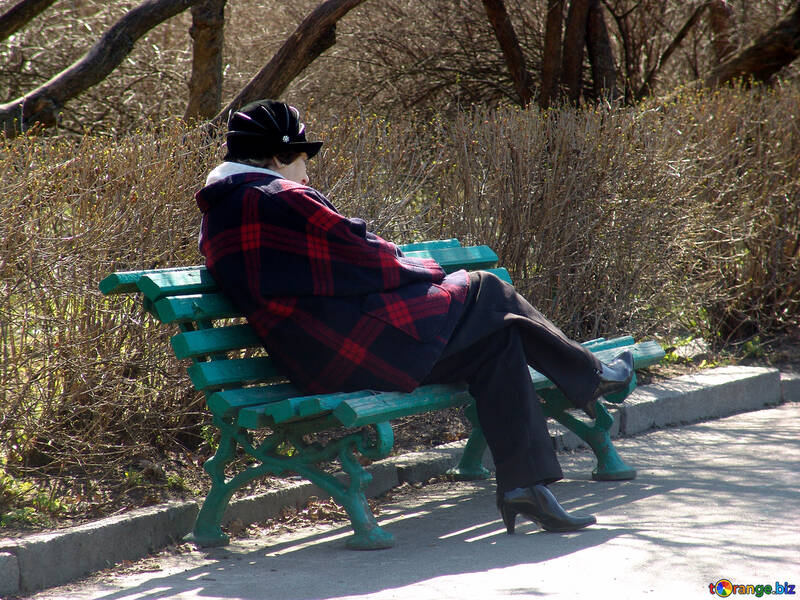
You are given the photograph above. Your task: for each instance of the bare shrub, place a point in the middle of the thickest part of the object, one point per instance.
(85, 382)
(743, 189)
(625, 221)
(572, 204)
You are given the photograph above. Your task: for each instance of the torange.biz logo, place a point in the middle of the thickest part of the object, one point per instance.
(725, 588)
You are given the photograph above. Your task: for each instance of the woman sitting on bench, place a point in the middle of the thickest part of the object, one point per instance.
(340, 309)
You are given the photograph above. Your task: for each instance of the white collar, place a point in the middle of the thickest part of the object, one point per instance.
(229, 168)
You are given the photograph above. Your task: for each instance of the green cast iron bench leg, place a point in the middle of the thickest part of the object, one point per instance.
(610, 466)
(367, 533)
(470, 467)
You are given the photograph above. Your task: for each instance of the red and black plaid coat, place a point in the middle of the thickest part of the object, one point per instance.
(337, 307)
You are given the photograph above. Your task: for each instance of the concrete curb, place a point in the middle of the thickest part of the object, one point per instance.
(49, 559)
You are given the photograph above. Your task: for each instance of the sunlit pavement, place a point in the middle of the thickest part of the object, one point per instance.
(712, 501)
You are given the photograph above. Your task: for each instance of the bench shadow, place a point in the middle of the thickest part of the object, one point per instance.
(737, 479)
(441, 536)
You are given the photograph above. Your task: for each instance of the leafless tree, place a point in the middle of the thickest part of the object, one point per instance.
(205, 85)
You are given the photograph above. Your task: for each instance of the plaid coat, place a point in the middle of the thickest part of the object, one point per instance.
(337, 307)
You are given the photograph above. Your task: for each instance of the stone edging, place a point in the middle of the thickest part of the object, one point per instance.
(45, 560)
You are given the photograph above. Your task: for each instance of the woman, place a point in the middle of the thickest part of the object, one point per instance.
(340, 309)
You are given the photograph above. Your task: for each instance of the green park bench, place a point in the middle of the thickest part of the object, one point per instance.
(244, 392)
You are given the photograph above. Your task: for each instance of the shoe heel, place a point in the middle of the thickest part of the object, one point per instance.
(509, 518)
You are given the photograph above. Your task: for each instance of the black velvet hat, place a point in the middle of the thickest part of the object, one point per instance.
(266, 128)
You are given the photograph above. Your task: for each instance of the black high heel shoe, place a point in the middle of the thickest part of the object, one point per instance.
(538, 504)
(614, 376)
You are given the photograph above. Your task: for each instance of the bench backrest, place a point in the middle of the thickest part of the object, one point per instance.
(225, 351)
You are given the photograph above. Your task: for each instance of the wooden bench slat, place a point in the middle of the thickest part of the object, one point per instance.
(230, 402)
(603, 343)
(216, 374)
(452, 259)
(210, 306)
(195, 307)
(161, 284)
(310, 406)
(125, 282)
(502, 273)
(191, 344)
(391, 405)
(431, 244)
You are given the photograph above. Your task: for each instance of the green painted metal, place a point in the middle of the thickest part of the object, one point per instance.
(610, 466)
(273, 457)
(452, 259)
(470, 467)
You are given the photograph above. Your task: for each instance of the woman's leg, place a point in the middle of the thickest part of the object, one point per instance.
(509, 410)
(493, 305)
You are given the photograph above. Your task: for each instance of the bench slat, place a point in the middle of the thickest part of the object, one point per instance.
(311, 406)
(391, 405)
(191, 344)
(290, 409)
(604, 344)
(216, 374)
(451, 243)
(161, 284)
(502, 273)
(452, 259)
(230, 402)
(195, 307)
(125, 282)
(199, 307)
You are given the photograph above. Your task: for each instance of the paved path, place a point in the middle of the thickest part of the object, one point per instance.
(715, 500)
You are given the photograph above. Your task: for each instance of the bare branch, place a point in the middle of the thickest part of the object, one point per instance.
(768, 54)
(312, 37)
(19, 15)
(662, 60)
(43, 104)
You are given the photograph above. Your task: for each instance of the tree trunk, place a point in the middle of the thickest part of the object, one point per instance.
(43, 104)
(601, 56)
(720, 21)
(767, 55)
(205, 85)
(509, 44)
(551, 61)
(312, 37)
(574, 38)
(19, 15)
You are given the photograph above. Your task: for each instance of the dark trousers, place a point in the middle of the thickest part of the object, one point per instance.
(498, 336)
